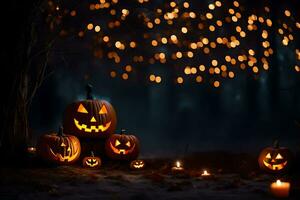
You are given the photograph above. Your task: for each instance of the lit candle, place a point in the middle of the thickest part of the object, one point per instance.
(31, 150)
(280, 189)
(205, 173)
(178, 167)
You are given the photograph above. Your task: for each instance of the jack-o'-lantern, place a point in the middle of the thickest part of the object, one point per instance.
(137, 164)
(90, 117)
(275, 159)
(91, 161)
(59, 148)
(122, 146)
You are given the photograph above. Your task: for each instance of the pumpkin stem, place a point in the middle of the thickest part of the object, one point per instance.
(92, 154)
(88, 89)
(123, 131)
(276, 144)
(61, 131)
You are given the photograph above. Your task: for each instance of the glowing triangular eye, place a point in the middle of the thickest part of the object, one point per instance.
(69, 149)
(63, 145)
(128, 144)
(89, 160)
(94, 160)
(103, 110)
(117, 143)
(268, 156)
(279, 156)
(82, 109)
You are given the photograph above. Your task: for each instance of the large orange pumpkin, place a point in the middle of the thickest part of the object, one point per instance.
(90, 117)
(59, 148)
(122, 147)
(275, 159)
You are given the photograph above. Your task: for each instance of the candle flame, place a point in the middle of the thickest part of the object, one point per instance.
(178, 164)
(278, 182)
(205, 173)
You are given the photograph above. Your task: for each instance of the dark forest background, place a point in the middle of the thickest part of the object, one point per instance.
(244, 114)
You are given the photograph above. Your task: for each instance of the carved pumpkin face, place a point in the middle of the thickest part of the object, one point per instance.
(59, 148)
(90, 118)
(274, 159)
(137, 164)
(91, 162)
(122, 147)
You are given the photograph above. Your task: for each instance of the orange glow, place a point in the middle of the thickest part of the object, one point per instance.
(152, 77)
(184, 30)
(255, 69)
(202, 68)
(199, 79)
(216, 84)
(125, 76)
(90, 26)
(214, 62)
(180, 80)
(231, 75)
(113, 74)
(158, 79)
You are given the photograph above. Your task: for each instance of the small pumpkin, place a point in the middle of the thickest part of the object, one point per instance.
(122, 146)
(59, 148)
(91, 161)
(90, 117)
(275, 159)
(137, 164)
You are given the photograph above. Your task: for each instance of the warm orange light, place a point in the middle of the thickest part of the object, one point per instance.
(287, 13)
(125, 76)
(184, 30)
(199, 79)
(202, 68)
(205, 173)
(154, 43)
(209, 16)
(280, 189)
(90, 26)
(231, 75)
(158, 79)
(179, 80)
(216, 84)
(214, 62)
(105, 39)
(97, 28)
(152, 77)
(113, 74)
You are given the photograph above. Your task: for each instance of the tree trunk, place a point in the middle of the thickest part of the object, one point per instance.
(23, 75)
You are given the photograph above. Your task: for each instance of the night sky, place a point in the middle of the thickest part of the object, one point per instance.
(244, 114)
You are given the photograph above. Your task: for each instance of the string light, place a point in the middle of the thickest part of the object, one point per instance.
(176, 44)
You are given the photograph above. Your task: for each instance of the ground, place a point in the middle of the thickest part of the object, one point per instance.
(116, 181)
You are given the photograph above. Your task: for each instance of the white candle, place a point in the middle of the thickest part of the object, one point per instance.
(178, 167)
(280, 189)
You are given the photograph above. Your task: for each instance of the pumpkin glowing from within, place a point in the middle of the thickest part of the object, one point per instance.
(91, 161)
(137, 164)
(90, 118)
(274, 159)
(122, 147)
(59, 148)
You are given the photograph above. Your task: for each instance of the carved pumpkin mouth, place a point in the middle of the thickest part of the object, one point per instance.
(138, 166)
(96, 129)
(67, 156)
(92, 162)
(275, 166)
(121, 151)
